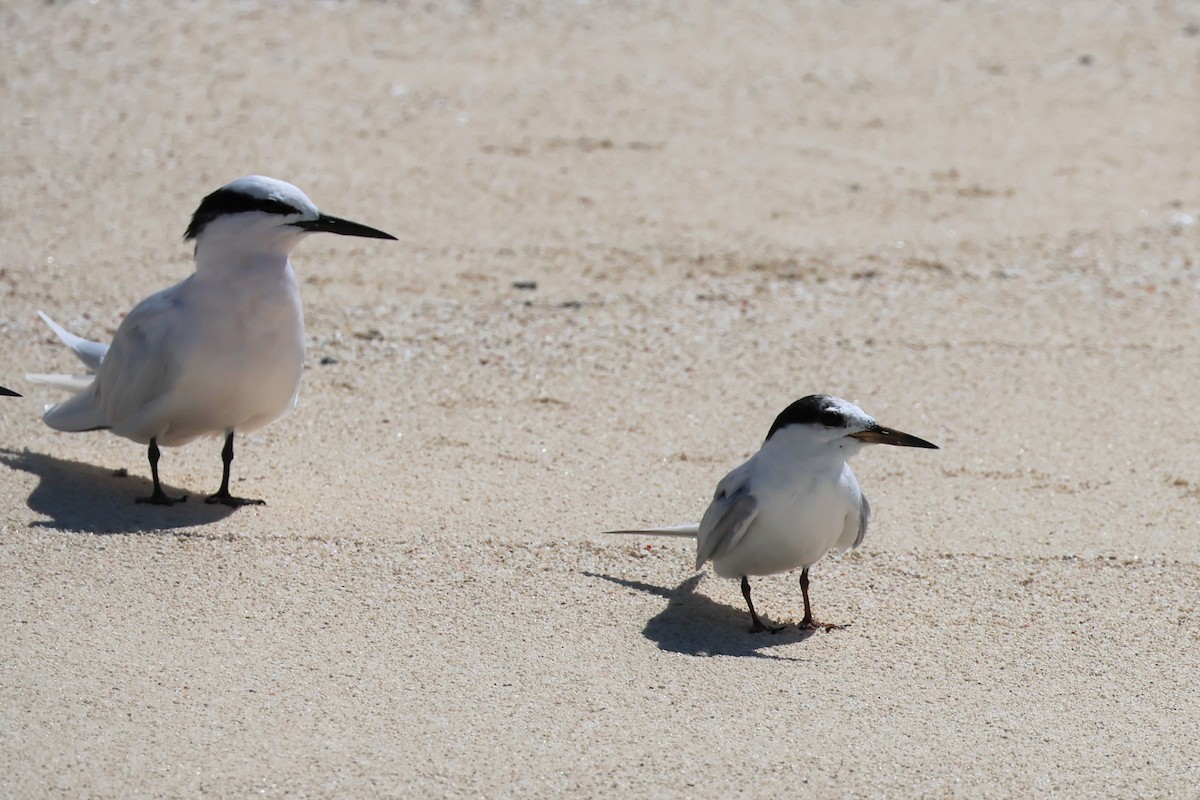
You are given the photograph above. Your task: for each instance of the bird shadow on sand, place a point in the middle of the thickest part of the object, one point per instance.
(697, 626)
(90, 499)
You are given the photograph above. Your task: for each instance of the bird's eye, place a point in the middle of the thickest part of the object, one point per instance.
(832, 419)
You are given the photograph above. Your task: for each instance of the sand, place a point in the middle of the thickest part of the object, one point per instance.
(978, 221)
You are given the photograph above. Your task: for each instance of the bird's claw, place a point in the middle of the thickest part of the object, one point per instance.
(226, 499)
(160, 498)
(813, 625)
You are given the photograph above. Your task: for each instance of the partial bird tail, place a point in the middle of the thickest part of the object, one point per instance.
(688, 531)
(8, 392)
(82, 412)
(72, 383)
(89, 352)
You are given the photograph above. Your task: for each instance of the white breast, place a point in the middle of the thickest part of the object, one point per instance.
(802, 515)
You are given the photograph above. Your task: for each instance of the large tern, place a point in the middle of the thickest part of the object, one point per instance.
(220, 352)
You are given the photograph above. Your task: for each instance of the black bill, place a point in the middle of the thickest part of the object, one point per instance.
(879, 435)
(330, 224)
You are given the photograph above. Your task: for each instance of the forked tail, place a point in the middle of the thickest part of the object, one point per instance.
(89, 352)
(82, 412)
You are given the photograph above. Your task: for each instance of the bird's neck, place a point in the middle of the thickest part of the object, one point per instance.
(800, 448)
(229, 258)
(244, 244)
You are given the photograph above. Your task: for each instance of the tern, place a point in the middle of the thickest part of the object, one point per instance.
(792, 501)
(8, 392)
(221, 351)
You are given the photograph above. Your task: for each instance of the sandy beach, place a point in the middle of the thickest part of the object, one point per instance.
(977, 221)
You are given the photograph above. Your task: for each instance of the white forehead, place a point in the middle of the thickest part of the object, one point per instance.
(260, 186)
(854, 415)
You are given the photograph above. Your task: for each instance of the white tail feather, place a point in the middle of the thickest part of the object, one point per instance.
(73, 383)
(89, 352)
(678, 530)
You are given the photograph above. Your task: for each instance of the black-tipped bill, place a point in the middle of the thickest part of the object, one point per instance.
(330, 224)
(8, 392)
(877, 435)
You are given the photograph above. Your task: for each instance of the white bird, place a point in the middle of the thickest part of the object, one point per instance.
(793, 500)
(8, 392)
(221, 351)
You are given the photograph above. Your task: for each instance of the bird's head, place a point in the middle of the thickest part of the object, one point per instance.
(260, 211)
(824, 419)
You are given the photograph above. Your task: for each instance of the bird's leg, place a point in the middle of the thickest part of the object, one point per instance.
(758, 626)
(158, 497)
(808, 621)
(223, 496)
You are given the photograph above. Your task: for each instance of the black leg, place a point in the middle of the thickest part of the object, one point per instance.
(158, 497)
(758, 626)
(223, 496)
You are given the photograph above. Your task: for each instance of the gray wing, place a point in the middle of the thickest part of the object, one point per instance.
(857, 515)
(131, 373)
(727, 519)
(864, 516)
(141, 364)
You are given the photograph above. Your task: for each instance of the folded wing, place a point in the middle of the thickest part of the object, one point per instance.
(726, 521)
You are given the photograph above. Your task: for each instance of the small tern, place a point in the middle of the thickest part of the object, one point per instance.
(219, 352)
(793, 500)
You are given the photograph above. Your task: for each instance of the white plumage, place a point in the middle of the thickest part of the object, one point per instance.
(792, 501)
(219, 352)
